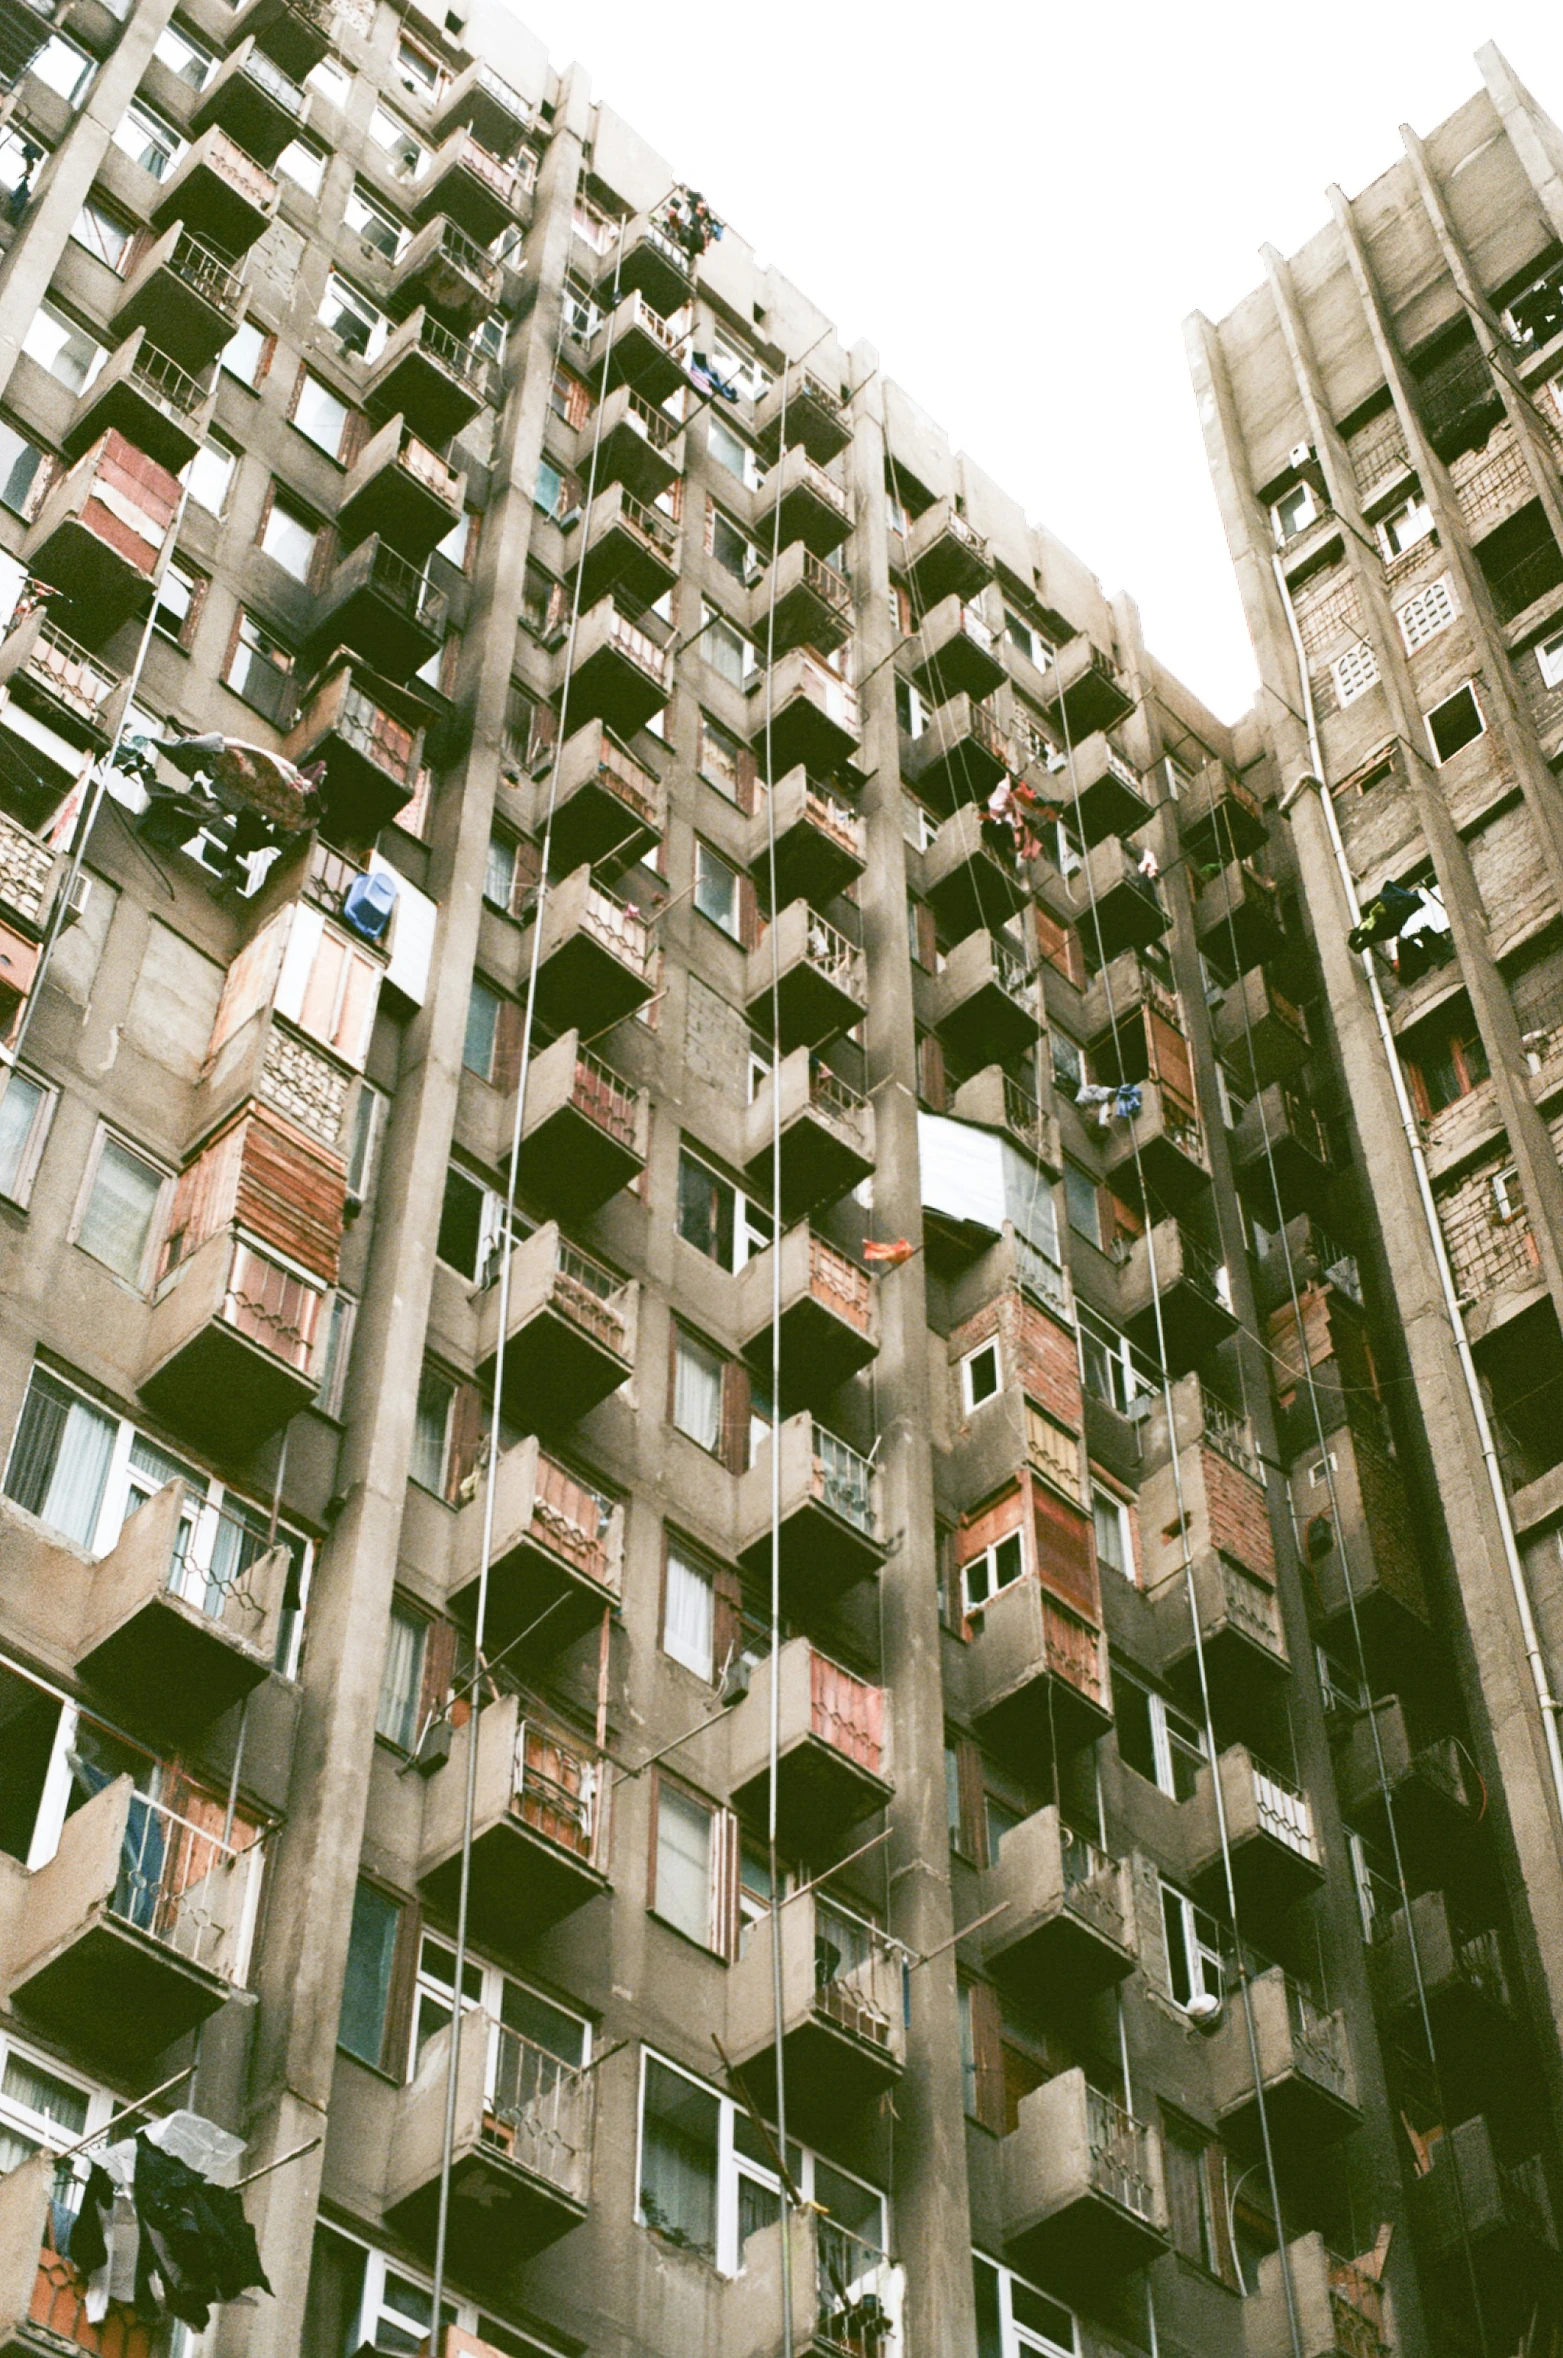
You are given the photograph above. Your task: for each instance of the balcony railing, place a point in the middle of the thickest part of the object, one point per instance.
(271, 1306)
(196, 264)
(1042, 1276)
(227, 158)
(1014, 979)
(213, 1557)
(840, 1284)
(593, 1297)
(1229, 1434)
(576, 1521)
(844, 1482)
(846, 1712)
(459, 358)
(1356, 2309)
(858, 2296)
(70, 673)
(618, 927)
(540, 2112)
(187, 1888)
(395, 578)
(849, 1973)
(1122, 2156)
(638, 647)
(1319, 2039)
(659, 429)
(605, 1099)
(1094, 1885)
(832, 955)
(831, 1096)
(559, 1791)
(1025, 1116)
(375, 734)
(1283, 1811)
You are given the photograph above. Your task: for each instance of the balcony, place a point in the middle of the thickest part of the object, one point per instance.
(100, 533)
(231, 1344)
(43, 2299)
(1036, 1674)
(259, 106)
(635, 346)
(595, 963)
(1341, 2308)
(135, 1931)
(829, 1320)
(1305, 1254)
(1472, 2198)
(1461, 1974)
(297, 33)
(647, 261)
(637, 445)
(215, 183)
(955, 653)
(1219, 818)
(380, 606)
(1082, 2183)
(945, 557)
(149, 399)
(966, 882)
(843, 2020)
(1435, 1795)
(832, 1531)
(960, 757)
(1102, 794)
(1175, 1302)
(606, 807)
(447, 273)
(1241, 1633)
(1237, 917)
(49, 674)
(1160, 1154)
(827, 1135)
(401, 492)
(1459, 399)
(1275, 1851)
(1085, 690)
(179, 1624)
(372, 756)
(816, 417)
(833, 1764)
(1068, 1911)
(187, 296)
(1280, 1154)
(1259, 1036)
(821, 844)
(540, 1826)
(848, 2299)
(625, 548)
(811, 505)
(1121, 907)
(520, 2174)
(429, 376)
(621, 677)
(556, 1561)
(585, 1130)
(571, 1338)
(465, 184)
(482, 102)
(821, 981)
(984, 1005)
(811, 607)
(805, 717)
(994, 1100)
(1305, 2068)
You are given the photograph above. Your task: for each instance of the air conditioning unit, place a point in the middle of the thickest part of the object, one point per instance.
(1300, 454)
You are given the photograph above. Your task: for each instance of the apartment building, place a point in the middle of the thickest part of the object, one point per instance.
(670, 1341)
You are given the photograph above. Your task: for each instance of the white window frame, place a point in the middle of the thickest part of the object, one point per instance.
(692, 1563)
(1024, 2341)
(283, 515)
(342, 298)
(155, 134)
(1354, 672)
(1466, 688)
(1549, 659)
(995, 1569)
(715, 630)
(1303, 497)
(364, 1142)
(1106, 1502)
(1508, 1199)
(406, 157)
(753, 1229)
(196, 53)
(1163, 1746)
(710, 863)
(42, 2129)
(1411, 509)
(971, 1399)
(362, 207)
(160, 1204)
(719, 433)
(1428, 611)
(331, 81)
(375, 2308)
(1131, 1382)
(1201, 1945)
(333, 1351)
(33, 1144)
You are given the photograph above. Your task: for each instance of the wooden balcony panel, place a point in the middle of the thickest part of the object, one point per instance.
(834, 1765)
(540, 1826)
(557, 1556)
(230, 1345)
(571, 1335)
(829, 1318)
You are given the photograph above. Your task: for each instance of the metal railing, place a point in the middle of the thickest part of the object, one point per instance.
(1024, 1115)
(426, 466)
(1093, 1884)
(210, 272)
(831, 587)
(606, 1099)
(1121, 2151)
(468, 256)
(660, 531)
(575, 1521)
(209, 1565)
(655, 425)
(457, 358)
(831, 1096)
(1283, 1810)
(186, 1888)
(653, 233)
(832, 955)
(1318, 2039)
(267, 75)
(71, 673)
(377, 736)
(1356, 2309)
(272, 1306)
(1010, 971)
(164, 382)
(1449, 393)
(557, 1789)
(637, 647)
(618, 927)
(1229, 1433)
(639, 314)
(540, 2111)
(593, 1297)
(857, 2292)
(393, 577)
(840, 1284)
(851, 1957)
(1516, 586)
(625, 779)
(846, 1712)
(844, 1481)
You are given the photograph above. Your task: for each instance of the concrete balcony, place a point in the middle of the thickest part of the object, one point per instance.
(463, 183)
(1276, 1857)
(960, 757)
(848, 2299)
(1305, 2067)
(811, 606)
(945, 556)
(1117, 1001)
(635, 346)
(843, 2034)
(645, 260)
(230, 1344)
(829, 1319)
(178, 1625)
(297, 33)
(626, 548)
(813, 506)
(821, 843)
(1237, 917)
(540, 1826)
(429, 376)
(1435, 1794)
(1068, 1920)
(1259, 1036)
(149, 399)
(481, 101)
(955, 654)
(188, 297)
(372, 754)
(1174, 1299)
(571, 1339)
(100, 533)
(1303, 1254)
(1082, 2183)
(815, 414)
(607, 808)
(818, 979)
(378, 605)
(1160, 1153)
(1102, 794)
(637, 445)
(447, 274)
(1369, 1569)
(1341, 2308)
(968, 883)
(1085, 690)
(1240, 1630)
(996, 1101)
(1036, 1674)
(43, 2299)
(1115, 899)
(556, 1561)
(1219, 818)
(1280, 1150)
(832, 1531)
(833, 1765)
(1500, 2211)
(50, 675)
(595, 963)
(621, 677)
(135, 1931)
(585, 1129)
(216, 184)
(250, 97)
(827, 1135)
(984, 1005)
(401, 492)
(802, 714)
(1461, 1974)
(522, 2156)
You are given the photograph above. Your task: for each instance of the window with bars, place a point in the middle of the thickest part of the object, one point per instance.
(1423, 616)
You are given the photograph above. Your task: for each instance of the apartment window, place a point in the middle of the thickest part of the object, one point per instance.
(103, 234)
(404, 153)
(689, 1612)
(357, 324)
(1068, 1062)
(698, 1374)
(358, 2299)
(982, 1375)
(66, 350)
(725, 760)
(1549, 657)
(1195, 1947)
(260, 669)
(910, 711)
(1014, 2320)
(716, 890)
(178, 603)
(1294, 511)
(25, 1110)
(1114, 1533)
(184, 58)
(1197, 2198)
(732, 549)
(320, 417)
(333, 1352)
(456, 547)
(1083, 1204)
(499, 873)
(998, 1566)
(685, 1887)
(557, 494)
(716, 1217)
(431, 1431)
(680, 2146)
(1404, 526)
(210, 476)
(729, 452)
(120, 1213)
(569, 398)
(1026, 641)
(1446, 1060)
(1354, 672)
(290, 538)
(727, 650)
(1423, 616)
(401, 1681)
(1155, 1739)
(1114, 1371)
(1455, 723)
(243, 357)
(60, 1458)
(153, 145)
(895, 512)
(472, 1225)
(38, 2107)
(482, 1034)
(371, 1957)
(417, 69)
(377, 229)
(368, 1120)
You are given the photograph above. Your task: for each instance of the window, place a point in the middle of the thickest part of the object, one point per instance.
(1549, 655)
(401, 1681)
(689, 1612)
(25, 1108)
(680, 2142)
(1447, 1060)
(290, 538)
(333, 82)
(482, 1034)
(500, 873)
(59, 1464)
(733, 550)
(1083, 1204)
(371, 1956)
(1423, 616)
(360, 2300)
(716, 890)
(557, 494)
(729, 452)
(178, 602)
(727, 651)
(21, 484)
(333, 1351)
(260, 669)
(1026, 641)
(1068, 1062)
(417, 69)
(357, 324)
(431, 1431)
(211, 476)
(1114, 1532)
(368, 1118)
(911, 712)
(153, 145)
(1404, 526)
(121, 1209)
(320, 417)
(1114, 1371)
(982, 1375)
(67, 351)
(377, 229)
(998, 1566)
(1294, 511)
(244, 354)
(716, 1217)
(1197, 2198)
(685, 1888)
(1354, 672)
(1195, 1948)
(1014, 2320)
(1455, 723)
(39, 2107)
(725, 760)
(183, 57)
(456, 546)
(63, 68)
(472, 1225)
(1159, 1742)
(698, 1373)
(396, 142)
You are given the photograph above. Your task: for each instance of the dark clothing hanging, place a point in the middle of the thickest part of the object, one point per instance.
(1388, 913)
(195, 2235)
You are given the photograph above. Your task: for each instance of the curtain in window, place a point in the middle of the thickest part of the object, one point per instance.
(687, 1626)
(119, 1210)
(684, 1864)
(678, 2160)
(697, 1395)
(60, 1459)
(18, 1111)
(401, 1680)
(431, 1432)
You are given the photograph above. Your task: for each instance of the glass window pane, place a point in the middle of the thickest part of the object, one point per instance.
(371, 1949)
(60, 1458)
(321, 416)
(482, 1031)
(684, 1864)
(211, 472)
(435, 1395)
(402, 1679)
(678, 2152)
(19, 1110)
(697, 1393)
(689, 1615)
(290, 538)
(117, 1222)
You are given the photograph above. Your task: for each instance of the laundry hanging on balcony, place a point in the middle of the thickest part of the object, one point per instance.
(691, 222)
(247, 799)
(1120, 1103)
(705, 379)
(1386, 916)
(156, 2232)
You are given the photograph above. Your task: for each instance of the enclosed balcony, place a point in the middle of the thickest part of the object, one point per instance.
(372, 753)
(1460, 1973)
(1280, 1151)
(955, 653)
(149, 399)
(821, 844)
(521, 2158)
(1276, 1857)
(1082, 2183)
(1085, 690)
(843, 2020)
(429, 376)
(1219, 818)
(1122, 907)
(647, 260)
(967, 883)
(812, 506)
(229, 195)
(832, 1528)
(1340, 2306)
(585, 1130)
(463, 183)
(1436, 1795)
(595, 963)
(800, 601)
(251, 98)
(379, 604)
(815, 414)
(182, 1613)
(821, 981)
(540, 1825)
(481, 101)
(807, 717)
(829, 1320)
(297, 33)
(1036, 1675)
(189, 298)
(1159, 1155)
(960, 757)
(448, 274)
(1237, 917)
(48, 674)
(945, 557)
(100, 533)
(1259, 1036)
(135, 1931)
(635, 346)
(230, 1345)
(984, 1005)
(626, 548)
(556, 1560)
(1476, 2208)
(571, 1339)
(833, 1767)
(1241, 1634)
(827, 1135)
(1068, 1911)
(1175, 1301)
(607, 808)
(1101, 793)
(637, 445)
(1305, 2067)
(621, 676)
(401, 492)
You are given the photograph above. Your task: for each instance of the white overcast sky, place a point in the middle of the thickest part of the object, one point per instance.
(1019, 204)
